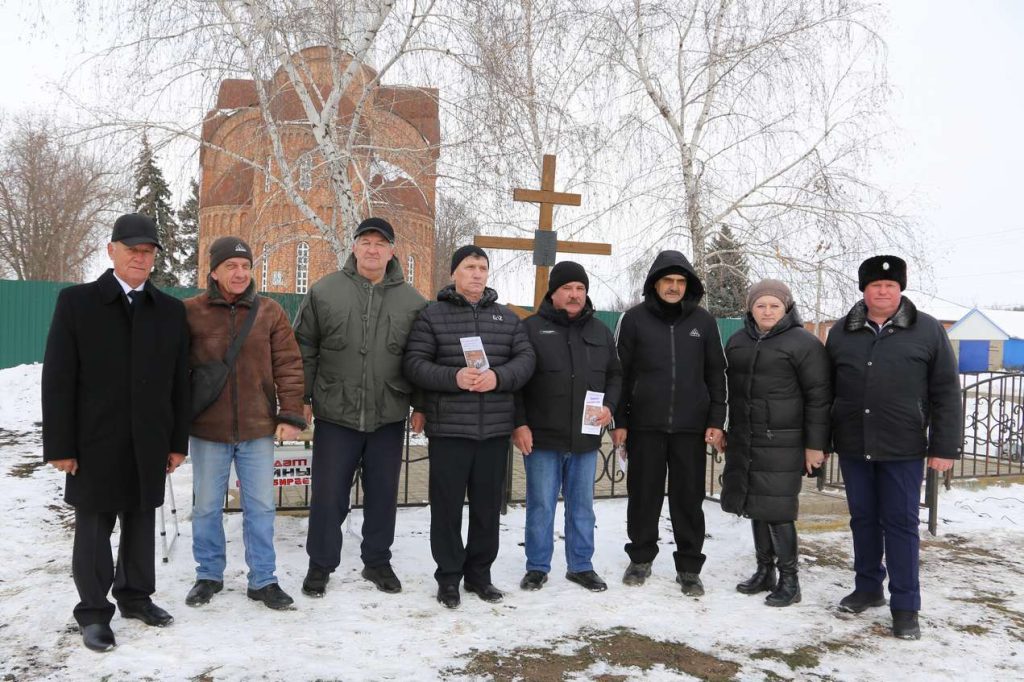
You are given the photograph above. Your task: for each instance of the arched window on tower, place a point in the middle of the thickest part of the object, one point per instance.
(410, 269)
(302, 267)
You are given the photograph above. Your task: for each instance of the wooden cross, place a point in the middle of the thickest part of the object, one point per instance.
(545, 243)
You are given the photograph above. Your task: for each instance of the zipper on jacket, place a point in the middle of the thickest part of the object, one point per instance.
(672, 391)
(572, 384)
(365, 354)
(480, 412)
(750, 395)
(234, 382)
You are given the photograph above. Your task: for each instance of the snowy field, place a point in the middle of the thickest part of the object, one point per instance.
(972, 620)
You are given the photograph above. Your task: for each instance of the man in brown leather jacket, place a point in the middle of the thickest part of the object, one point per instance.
(261, 400)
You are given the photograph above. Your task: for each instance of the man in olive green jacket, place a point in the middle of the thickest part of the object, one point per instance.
(351, 331)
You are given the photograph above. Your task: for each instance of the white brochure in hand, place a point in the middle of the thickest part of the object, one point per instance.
(473, 349)
(593, 404)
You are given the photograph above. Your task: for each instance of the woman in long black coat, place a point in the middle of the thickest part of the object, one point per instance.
(779, 398)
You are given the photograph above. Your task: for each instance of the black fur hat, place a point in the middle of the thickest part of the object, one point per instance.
(892, 268)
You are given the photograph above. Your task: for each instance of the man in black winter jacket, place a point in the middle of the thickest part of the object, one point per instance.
(470, 411)
(673, 406)
(897, 402)
(575, 356)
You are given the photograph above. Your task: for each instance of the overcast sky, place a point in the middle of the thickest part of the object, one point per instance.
(959, 96)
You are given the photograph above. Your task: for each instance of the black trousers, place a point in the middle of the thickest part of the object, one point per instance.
(683, 456)
(92, 565)
(337, 452)
(460, 466)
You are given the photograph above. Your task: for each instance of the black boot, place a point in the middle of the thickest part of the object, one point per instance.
(763, 579)
(785, 546)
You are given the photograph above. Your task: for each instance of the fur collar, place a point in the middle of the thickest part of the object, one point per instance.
(905, 317)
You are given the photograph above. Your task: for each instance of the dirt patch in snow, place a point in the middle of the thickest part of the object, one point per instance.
(618, 649)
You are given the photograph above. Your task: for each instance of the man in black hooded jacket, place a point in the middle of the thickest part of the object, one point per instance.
(673, 404)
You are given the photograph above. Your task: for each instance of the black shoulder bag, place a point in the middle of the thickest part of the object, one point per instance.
(209, 378)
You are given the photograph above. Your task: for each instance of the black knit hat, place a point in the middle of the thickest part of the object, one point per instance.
(228, 247)
(876, 268)
(565, 272)
(132, 229)
(463, 252)
(376, 225)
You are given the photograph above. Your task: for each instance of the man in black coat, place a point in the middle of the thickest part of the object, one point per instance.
(897, 402)
(673, 405)
(115, 418)
(470, 411)
(575, 356)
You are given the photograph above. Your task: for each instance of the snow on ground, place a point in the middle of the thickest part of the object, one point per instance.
(972, 619)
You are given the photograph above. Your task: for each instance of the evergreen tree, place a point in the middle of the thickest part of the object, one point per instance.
(153, 198)
(727, 281)
(187, 255)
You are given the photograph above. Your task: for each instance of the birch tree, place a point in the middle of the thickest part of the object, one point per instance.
(177, 53)
(760, 115)
(524, 84)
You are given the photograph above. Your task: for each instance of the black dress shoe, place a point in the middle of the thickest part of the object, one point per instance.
(448, 595)
(905, 625)
(98, 637)
(202, 592)
(859, 601)
(148, 612)
(488, 592)
(383, 577)
(588, 579)
(272, 595)
(533, 580)
(315, 583)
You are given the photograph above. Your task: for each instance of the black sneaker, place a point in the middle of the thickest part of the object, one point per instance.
(202, 592)
(271, 595)
(588, 579)
(858, 601)
(315, 583)
(533, 580)
(383, 577)
(905, 625)
(636, 573)
(691, 584)
(488, 592)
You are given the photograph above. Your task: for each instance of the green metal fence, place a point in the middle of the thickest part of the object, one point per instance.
(27, 307)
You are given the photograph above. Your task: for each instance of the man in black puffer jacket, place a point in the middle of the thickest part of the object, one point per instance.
(575, 355)
(469, 419)
(673, 405)
(897, 402)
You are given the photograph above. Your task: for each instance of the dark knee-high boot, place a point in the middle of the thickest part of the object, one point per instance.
(763, 579)
(784, 543)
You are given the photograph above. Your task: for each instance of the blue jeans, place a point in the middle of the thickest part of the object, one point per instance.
(548, 473)
(211, 465)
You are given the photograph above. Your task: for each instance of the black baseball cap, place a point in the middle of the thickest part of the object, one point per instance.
(376, 225)
(134, 228)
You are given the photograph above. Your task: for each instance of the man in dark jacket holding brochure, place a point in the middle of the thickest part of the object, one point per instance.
(673, 406)
(559, 417)
(470, 408)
